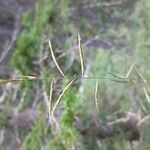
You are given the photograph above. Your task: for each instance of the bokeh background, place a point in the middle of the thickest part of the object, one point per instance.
(115, 40)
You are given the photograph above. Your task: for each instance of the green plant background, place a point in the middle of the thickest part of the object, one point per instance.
(129, 35)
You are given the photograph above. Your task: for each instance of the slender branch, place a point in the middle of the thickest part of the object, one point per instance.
(100, 4)
(118, 79)
(10, 45)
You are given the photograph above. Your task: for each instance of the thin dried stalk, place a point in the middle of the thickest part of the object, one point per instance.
(50, 96)
(96, 95)
(81, 54)
(146, 94)
(140, 74)
(143, 107)
(28, 77)
(5, 81)
(54, 59)
(119, 78)
(18, 79)
(144, 88)
(129, 72)
(61, 95)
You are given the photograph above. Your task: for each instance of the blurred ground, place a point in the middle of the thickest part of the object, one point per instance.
(10, 26)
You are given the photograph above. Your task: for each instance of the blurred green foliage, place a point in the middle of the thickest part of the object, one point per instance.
(29, 40)
(141, 32)
(55, 18)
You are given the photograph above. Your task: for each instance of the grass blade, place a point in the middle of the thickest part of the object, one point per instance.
(140, 74)
(54, 59)
(129, 72)
(146, 94)
(81, 54)
(144, 80)
(5, 81)
(143, 107)
(61, 95)
(28, 77)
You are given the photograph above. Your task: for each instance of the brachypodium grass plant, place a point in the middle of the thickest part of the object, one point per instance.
(97, 91)
(66, 135)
